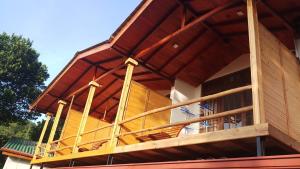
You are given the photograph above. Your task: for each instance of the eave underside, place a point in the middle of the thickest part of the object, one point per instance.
(202, 49)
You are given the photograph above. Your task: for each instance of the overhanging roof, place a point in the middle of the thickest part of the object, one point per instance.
(203, 49)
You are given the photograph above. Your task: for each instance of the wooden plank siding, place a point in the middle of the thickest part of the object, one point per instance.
(71, 128)
(280, 84)
(142, 99)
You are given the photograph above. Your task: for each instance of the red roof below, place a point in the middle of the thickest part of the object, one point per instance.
(283, 161)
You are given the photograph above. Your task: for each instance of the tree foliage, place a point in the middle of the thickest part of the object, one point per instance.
(22, 78)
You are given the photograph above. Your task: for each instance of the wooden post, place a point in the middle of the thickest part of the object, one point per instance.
(255, 62)
(122, 104)
(85, 114)
(39, 143)
(61, 105)
(62, 134)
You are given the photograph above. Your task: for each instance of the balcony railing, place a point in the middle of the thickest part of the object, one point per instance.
(212, 115)
(208, 117)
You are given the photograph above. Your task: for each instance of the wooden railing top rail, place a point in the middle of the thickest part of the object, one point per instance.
(94, 141)
(56, 141)
(188, 122)
(200, 99)
(62, 148)
(100, 128)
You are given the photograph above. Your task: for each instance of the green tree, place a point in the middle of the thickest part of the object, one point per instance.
(22, 78)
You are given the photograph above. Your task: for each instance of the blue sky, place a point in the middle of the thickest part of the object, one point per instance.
(59, 28)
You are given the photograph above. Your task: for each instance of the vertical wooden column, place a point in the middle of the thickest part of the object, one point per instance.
(93, 85)
(62, 134)
(61, 105)
(255, 62)
(39, 143)
(122, 104)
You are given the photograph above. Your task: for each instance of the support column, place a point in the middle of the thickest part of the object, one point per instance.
(39, 143)
(260, 146)
(255, 62)
(93, 85)
(61, 105)
(122, 104)
(297, 47)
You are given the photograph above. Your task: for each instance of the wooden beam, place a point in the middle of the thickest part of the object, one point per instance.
(204, 23)
(154, 28)
(93, 85)
(107, 72)
(140, 74)
(61, 105)
(167, 77)
(255, 62)
(149, 80)
(69, 87)
(123, 101)
(101, 103)
(146, 66)
(279, 17)
(209, 137)
(183, 16)
(112, 107)
(185, 28)
(42, 135)
(105, 88)
(108, 60)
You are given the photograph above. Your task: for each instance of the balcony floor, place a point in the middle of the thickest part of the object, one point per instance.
(237, 142)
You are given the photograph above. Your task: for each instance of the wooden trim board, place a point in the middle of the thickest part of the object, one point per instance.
(230, 134)
(222, 135)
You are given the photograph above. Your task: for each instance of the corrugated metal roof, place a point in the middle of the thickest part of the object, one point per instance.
(20, 145)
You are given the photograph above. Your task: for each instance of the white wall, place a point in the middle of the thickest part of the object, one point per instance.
(16, 163)
(180, 92)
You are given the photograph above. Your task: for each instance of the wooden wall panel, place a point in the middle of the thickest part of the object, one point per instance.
(291, 71)
(272, 75)
(71, 128)
(140, 100)
(281, 84)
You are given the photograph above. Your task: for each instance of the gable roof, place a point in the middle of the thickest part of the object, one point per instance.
(203, 49)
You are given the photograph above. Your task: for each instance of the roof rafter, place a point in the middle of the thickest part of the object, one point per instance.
(185, 28)
(279, 17)
(204, 23)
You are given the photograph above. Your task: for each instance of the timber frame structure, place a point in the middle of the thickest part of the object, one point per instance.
(179, 80)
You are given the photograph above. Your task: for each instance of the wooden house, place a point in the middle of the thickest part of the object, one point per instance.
(180, 79)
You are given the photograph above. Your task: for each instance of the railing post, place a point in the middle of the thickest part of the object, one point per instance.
(39, 143)
(61, 105)
(255, 62)
(85, 114)
(131, 63)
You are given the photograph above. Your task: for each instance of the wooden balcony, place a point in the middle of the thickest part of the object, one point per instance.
(150, 133)
(127, 121)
